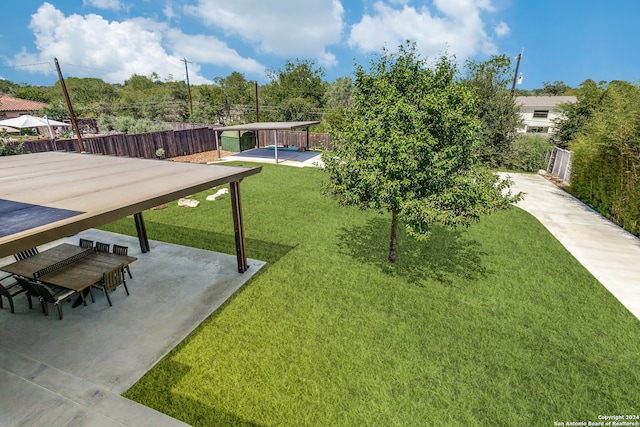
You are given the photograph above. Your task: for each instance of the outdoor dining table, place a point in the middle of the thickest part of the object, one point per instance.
(77, 275)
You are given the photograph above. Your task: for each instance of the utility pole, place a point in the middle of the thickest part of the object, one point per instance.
(70, 107)
(257, 116)
(515, 76)
(257, 111)
(186, 69)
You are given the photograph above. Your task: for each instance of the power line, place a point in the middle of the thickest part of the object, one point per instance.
(27, 65)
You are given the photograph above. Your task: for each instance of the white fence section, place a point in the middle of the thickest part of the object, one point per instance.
(560, 164)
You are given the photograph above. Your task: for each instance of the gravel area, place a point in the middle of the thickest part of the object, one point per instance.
(204, 157)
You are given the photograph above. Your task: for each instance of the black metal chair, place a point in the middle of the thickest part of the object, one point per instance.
(54, 297)
(25, 254)
(85, 243)
(32, 290)
(103, 247)
(10, 290)
(123, 250)
(47, 294)
(112, 279)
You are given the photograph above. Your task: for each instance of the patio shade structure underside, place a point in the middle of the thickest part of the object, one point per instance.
(47, 196)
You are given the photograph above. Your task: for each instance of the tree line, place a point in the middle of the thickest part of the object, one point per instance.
(300, 91)
(411, 138)
(297, 91)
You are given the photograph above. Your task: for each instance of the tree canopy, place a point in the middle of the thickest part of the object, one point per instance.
(407, 146)
(295, 91)
(590, 96)
(497, 109)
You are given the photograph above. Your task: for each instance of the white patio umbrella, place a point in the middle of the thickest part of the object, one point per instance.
(9, 129)
(27, 121)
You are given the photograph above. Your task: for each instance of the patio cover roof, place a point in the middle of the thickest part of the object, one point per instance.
(47, 196)
(274, 126)
(270, 126)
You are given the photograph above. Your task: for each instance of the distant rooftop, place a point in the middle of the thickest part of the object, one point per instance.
(9, 103)
(544, 101)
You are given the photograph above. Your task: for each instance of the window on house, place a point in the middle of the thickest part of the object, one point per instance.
(540, 114)
(537, 129)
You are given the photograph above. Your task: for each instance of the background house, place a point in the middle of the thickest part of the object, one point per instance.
(539, 112)
(15, 107)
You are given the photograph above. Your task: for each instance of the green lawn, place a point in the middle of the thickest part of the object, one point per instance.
(492, 325)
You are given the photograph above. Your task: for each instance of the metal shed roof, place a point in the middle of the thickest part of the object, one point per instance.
(270, 126)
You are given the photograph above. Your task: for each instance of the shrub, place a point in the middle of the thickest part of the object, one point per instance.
(528, 153)
(128, 124)
(605, 167)
(9, 148)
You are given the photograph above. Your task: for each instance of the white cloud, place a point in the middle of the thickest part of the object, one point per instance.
(103, 4)
(287, 28)
(502, 29)
(114, 51)
(453, 26)
(210, 50)
(168, 11)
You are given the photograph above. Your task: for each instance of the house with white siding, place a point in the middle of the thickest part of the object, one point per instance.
(539, 112)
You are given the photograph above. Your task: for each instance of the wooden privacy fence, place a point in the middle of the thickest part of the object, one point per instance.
(295, 139)
(174, 143)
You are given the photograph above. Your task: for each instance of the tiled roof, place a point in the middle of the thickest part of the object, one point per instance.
(8, 103)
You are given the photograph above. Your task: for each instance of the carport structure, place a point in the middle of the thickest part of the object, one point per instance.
(48, 196)
(274, 126)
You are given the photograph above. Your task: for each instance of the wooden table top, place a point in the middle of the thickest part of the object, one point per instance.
(28, 266)
(77, 275)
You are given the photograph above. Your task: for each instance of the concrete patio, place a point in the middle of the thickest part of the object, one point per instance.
(72, 372)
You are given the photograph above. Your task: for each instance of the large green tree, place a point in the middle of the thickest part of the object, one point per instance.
(238, 98)
(7, 87)
(590, 96)
(295, 91)
(497, 109)
(407, 147)
(557, 88)
(148, 98)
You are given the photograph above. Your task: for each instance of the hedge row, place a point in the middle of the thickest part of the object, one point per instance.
(605, 170)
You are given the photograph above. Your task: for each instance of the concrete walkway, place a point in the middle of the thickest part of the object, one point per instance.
(285, 158)
(607, 251)
(73, 371)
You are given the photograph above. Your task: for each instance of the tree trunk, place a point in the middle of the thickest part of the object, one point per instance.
(392, 243)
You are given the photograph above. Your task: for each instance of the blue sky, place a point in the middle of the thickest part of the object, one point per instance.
(567, 40)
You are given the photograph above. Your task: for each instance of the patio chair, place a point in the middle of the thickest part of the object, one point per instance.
(32, 291)
(10, 290)
(110, 280)
(85, 243)
(25, 254)
(123, 250)
(48, 295)
(102, 247)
